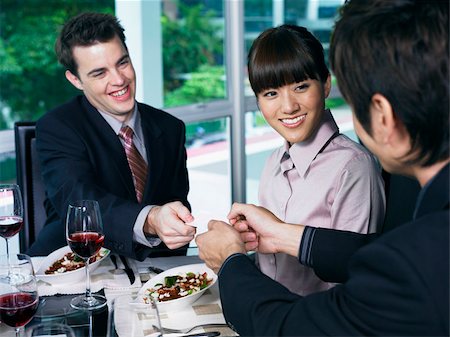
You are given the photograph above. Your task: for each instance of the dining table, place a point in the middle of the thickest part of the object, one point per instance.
(112, 280)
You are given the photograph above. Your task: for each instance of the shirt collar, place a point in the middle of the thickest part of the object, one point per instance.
(303, 153)
(134, 122)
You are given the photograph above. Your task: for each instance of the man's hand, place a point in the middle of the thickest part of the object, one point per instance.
(262, 231)
(219, 242)
(168, 222)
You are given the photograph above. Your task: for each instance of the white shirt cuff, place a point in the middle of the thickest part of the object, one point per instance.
(138, 229)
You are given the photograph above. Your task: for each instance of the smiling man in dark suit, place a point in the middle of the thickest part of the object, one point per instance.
(105, 146)
(391, 61)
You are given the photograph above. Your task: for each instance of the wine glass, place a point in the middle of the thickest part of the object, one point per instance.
(84, 233)
(129, 318)
(18, 295)
(11, 212)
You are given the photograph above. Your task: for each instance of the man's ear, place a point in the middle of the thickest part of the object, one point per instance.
(74, 80)
(385, 124)
(383, 119)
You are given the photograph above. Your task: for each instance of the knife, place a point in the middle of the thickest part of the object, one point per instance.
(203, 334)
(128, 270)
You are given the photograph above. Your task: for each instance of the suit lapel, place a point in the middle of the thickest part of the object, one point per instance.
(112, 146)
(154, 147)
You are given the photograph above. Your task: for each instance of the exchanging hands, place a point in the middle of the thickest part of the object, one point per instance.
(220, 241)
(253, 228)
(168, 222)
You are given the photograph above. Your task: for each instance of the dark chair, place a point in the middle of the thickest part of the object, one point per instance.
(30, 183)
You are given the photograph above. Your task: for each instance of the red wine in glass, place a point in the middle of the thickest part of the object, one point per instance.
(85, 244)
(17, 309)
(84, 234)
(19, 298)
(10, 226)
(11, 212)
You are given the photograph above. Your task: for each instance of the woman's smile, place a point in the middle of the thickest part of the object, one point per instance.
(293, 122)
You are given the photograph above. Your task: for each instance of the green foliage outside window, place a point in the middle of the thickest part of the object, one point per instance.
(31, 80)
(189, 42)
(192, 46)
(204, 84)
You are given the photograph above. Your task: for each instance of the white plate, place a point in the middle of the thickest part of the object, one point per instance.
(68, 276)
(181, 302)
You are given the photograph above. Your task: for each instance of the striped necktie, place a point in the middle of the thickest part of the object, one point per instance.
(137, 164)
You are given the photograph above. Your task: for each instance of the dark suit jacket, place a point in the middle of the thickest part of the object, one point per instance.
(397, 285)
(82, 158)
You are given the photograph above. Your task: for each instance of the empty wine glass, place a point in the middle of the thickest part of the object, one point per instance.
(129, 318)
(18, 295)
(84, 233)
(11, 212)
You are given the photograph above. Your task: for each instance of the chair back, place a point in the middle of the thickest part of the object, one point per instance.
(30, 182)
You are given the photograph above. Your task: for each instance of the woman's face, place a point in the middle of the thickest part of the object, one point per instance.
(295, 110)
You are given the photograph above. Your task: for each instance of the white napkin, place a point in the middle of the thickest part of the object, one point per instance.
(105, 276)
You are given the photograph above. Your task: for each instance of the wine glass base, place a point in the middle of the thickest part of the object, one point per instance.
(88, 303)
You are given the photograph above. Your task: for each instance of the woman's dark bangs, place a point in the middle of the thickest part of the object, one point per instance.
(281, 68)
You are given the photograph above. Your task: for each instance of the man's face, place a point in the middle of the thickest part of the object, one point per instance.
(106, 76)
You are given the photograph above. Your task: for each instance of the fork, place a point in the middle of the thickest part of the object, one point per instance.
(186, 330)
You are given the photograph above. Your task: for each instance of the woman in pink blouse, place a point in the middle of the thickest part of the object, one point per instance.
(319, 177)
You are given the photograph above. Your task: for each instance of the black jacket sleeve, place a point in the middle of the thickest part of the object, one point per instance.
(331, 251)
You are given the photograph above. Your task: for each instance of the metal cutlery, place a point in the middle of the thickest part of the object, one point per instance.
(203, 334)
(187, 330)
(117, 270)
(128, 270)
(155, 270)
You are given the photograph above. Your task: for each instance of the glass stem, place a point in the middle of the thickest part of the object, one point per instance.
(88, 280)
(18, 332)
(8, 260)
(91, 325)
(7, 248)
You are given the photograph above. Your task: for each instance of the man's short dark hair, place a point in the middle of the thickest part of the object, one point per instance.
(86, 29)
(399, 49)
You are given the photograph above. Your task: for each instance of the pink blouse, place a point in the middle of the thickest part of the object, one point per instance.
(337, 186)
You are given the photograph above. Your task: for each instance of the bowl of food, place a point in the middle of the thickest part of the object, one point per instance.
(178, 287)
(63, 266)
